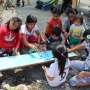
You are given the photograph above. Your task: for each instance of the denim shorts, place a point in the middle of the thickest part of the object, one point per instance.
(78, 65)
(74, 80)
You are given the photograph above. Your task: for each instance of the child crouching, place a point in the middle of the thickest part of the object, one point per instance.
(54, 38)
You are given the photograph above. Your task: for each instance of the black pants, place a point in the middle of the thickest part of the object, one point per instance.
(5, 53)
(18, 3)
(65, 5)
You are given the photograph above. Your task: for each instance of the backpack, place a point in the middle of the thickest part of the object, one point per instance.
(39, 4)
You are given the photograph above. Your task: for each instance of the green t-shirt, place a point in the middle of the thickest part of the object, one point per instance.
(76, 31)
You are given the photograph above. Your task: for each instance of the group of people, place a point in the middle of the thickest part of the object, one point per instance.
(13, 34)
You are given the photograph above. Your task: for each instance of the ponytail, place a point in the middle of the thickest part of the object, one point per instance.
(60, 52)
(61, 63)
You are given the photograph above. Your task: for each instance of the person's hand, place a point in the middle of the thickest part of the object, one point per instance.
(38, 45)
(65, 34)
(66, 37)
(73, 46)
(34, 47)
(81, 74)
(81, 38)
(69, 50)
(44, 68)
(45, 48)
(15, 52)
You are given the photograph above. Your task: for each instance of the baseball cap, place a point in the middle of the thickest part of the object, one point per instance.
(88, 37)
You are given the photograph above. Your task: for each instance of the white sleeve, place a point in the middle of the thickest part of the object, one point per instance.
(35, 28)
(22, 29)
(52, 70)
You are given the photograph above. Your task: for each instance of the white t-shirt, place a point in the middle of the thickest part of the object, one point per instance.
(54, 72)
(25, 31)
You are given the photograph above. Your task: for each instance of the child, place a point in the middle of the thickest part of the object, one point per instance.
(57, 72)
(54, 38)
(83, 67)
(55, 20)
(28, 30)
(10, 37)
(76, 31)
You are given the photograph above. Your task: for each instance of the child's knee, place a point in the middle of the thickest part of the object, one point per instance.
(73, 81)
(72, 64)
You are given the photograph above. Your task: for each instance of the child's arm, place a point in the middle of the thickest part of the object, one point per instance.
(64, 32)
(27, 43)
(39, 37)
(47, 26)
(18, 39)
(45, 47)
(83, 74)
(69, 33)
(48, 43)
(78, 47)
(47, 73)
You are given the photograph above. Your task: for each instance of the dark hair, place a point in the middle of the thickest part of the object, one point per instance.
(80, 17)
(71, 10)
(60, 52)
(15, 19)
(31, 19)
(56, 31)
(86, 32)
(56, 10)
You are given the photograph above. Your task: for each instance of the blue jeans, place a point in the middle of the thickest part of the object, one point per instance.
(78, 66)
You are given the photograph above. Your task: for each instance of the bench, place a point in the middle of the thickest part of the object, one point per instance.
(25, 60)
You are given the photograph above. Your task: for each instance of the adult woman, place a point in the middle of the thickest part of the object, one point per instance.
(70, 20)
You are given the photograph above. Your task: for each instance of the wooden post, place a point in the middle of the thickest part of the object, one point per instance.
(74, 3)
(28, 2)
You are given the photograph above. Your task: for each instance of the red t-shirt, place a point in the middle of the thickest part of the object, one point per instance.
(8, 38)
(53, 23)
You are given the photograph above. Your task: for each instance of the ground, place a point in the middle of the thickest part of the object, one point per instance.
(33, 76)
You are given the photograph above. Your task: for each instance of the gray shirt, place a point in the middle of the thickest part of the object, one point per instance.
(66, 25)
